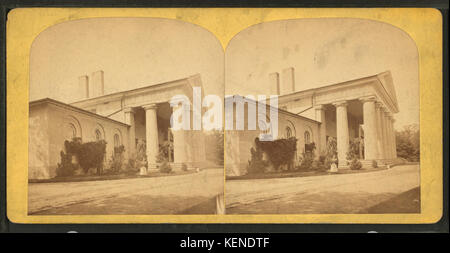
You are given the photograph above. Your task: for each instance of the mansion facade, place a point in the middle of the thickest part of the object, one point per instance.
(132, 119)
(361, 109)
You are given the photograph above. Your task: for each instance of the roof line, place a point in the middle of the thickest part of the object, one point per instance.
(331, 85)
(134, 90)
(59, 103)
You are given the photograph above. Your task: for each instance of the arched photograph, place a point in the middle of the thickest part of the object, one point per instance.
(346, 135)
(101, 140)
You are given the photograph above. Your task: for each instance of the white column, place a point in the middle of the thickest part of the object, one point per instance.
(388, 135)
(320, 116)
(385, 133)
(179, 149)
(151, 134)
(381, 131)
(370, 128)
(342, 133)
(129, 119)
(394, 141)
(391, 137)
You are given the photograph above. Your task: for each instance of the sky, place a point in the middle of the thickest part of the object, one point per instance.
(132, 52)
(138, 52)
(324, 52)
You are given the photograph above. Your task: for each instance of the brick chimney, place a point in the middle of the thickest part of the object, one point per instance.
(83, 86)
(98, 87)
(288, 85)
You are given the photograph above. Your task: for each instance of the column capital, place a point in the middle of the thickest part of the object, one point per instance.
(340, 103)
(368, 99)
(319, 107)
(379, 105)
(150, 107)
(129, 110)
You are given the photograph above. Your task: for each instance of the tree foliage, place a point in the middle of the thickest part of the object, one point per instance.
(280, 152)
(89, 155)
(408, 143)
(353, 155)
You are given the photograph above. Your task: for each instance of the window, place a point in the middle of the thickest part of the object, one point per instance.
(116, 140)
(71, 131)
(288, 132)
(98, 135)
(307, 137)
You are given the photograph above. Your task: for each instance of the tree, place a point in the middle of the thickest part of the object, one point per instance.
(408, 143)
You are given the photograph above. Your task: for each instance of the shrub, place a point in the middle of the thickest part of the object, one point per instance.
(92, 155)
(256, 163)
(89, 154)
(306, 162)
(66, 167)
(165, 167)
(280, 152)
(116, 162)
(141, 155)
(184, 167)
(355, 164)
(330, 152)
(374, 164)
(408, 143)
(164, 149)
(353, 154)
(163, 157)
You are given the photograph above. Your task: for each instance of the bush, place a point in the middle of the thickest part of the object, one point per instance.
(184, 167)
(163, 157)
(141, 156)
(165, 167)
(89, 154)
(306, 162)
(164, 149)
(408, 143)
(355, 164)
(330, 153)
(117, 160)
(374, 164)
(256, 163)
(280, 152)
(353, 154)
(66, 167)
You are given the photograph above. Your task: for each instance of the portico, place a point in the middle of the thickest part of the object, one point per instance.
(359, 110)
(148, 113)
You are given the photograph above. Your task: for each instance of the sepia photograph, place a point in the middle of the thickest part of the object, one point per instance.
(344, 136)
(101, 139)
(224, 116)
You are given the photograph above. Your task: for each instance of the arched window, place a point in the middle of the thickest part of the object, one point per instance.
(307, 137)
(116, 141)
(98, 135)
(70, 132)
(288, 132)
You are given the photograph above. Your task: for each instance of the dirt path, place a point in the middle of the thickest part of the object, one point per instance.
(132, 196)
(344, 193)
